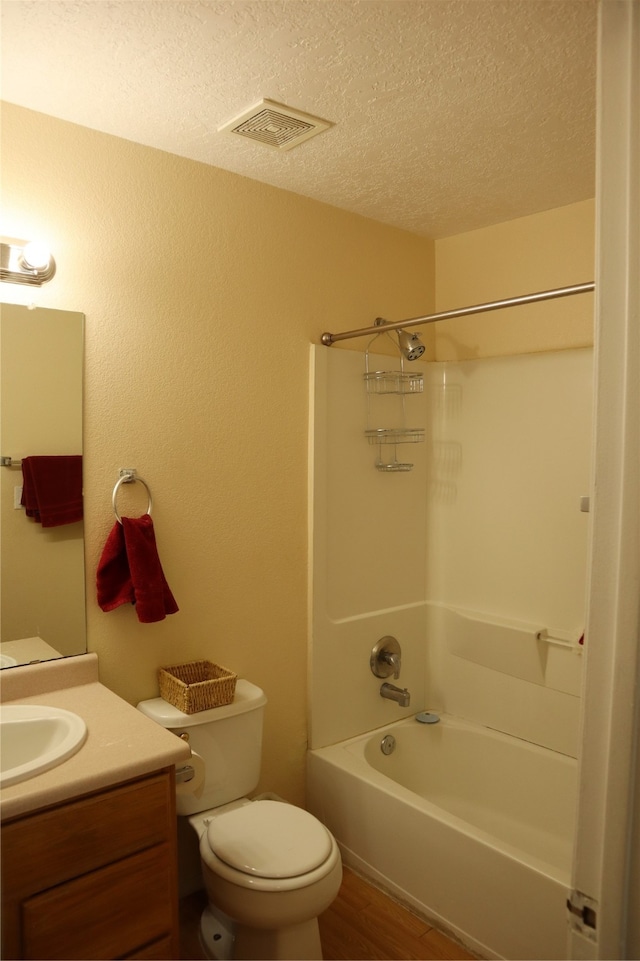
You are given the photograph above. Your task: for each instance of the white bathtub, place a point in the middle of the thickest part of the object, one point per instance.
(471, 828)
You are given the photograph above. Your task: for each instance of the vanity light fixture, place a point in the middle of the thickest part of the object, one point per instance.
(26, 263)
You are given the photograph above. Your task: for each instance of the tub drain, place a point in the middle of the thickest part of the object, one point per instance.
(388, 744)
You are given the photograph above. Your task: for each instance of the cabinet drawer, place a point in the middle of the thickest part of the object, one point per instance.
(66, 841)
(110, 913)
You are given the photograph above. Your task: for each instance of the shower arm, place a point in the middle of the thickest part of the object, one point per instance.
(328, 339)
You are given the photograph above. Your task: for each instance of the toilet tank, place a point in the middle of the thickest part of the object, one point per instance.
(227, 738)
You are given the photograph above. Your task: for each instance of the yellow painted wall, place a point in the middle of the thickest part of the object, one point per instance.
(202, 291)
(541, 252)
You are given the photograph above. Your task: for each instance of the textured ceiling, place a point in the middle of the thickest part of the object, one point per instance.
(448, 114)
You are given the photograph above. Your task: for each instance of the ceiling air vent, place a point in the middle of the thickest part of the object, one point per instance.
(275, 125)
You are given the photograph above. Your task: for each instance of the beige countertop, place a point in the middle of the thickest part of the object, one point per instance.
(121, 742)
(28, 649)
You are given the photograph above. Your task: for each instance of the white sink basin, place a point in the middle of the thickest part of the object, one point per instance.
(35, 738)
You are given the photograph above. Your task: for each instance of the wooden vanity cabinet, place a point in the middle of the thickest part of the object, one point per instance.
(95, 877)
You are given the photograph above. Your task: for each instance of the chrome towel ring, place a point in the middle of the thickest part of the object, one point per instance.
(129, 476)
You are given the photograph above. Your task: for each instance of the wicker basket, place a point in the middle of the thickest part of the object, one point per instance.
(197, 686)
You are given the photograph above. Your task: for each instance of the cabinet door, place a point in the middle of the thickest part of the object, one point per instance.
(110, 913)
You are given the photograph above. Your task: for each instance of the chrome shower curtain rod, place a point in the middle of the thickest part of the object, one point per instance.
(329, 339)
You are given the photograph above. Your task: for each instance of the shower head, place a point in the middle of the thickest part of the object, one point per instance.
(411, 346)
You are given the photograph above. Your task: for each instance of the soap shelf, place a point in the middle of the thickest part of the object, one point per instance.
(393, 465)
(393, 382)
(395, 435)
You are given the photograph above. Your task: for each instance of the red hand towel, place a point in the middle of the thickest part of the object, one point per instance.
(29, 497)
(113, 578)
(52, 489)
(130, 572)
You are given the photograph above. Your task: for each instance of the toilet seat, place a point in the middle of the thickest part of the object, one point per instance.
(270, 840)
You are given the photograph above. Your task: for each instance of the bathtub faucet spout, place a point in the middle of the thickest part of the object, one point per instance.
(401, 695)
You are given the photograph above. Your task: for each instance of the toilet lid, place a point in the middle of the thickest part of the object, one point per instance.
(269, 839)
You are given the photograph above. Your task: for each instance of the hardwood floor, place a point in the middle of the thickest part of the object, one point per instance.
(362, 924)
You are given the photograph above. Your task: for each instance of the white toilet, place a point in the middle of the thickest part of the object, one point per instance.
(268, 866)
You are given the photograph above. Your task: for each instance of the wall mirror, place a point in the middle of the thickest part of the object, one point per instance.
(42, 580)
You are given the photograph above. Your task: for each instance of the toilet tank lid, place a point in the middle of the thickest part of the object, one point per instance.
(247, 697)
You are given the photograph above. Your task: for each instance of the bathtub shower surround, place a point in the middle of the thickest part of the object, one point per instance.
(486, 529)
(507, 542)
(475, 561)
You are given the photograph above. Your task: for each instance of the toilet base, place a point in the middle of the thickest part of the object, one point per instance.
(300, 942)
(222, 939)
(217, 934)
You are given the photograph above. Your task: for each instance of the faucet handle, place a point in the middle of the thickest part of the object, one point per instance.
(393, 660)
(386, 657)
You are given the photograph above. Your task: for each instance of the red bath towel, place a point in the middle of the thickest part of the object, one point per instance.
(52, 489)
(130, 572)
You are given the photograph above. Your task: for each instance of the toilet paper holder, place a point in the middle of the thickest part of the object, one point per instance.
(185, 774)
(190, 776)
(187, 771)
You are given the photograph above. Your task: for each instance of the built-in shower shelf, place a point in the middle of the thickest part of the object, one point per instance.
(393, 382)
(395, 435)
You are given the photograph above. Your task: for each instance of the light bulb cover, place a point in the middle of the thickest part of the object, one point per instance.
(28, 263)
(36, 255)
